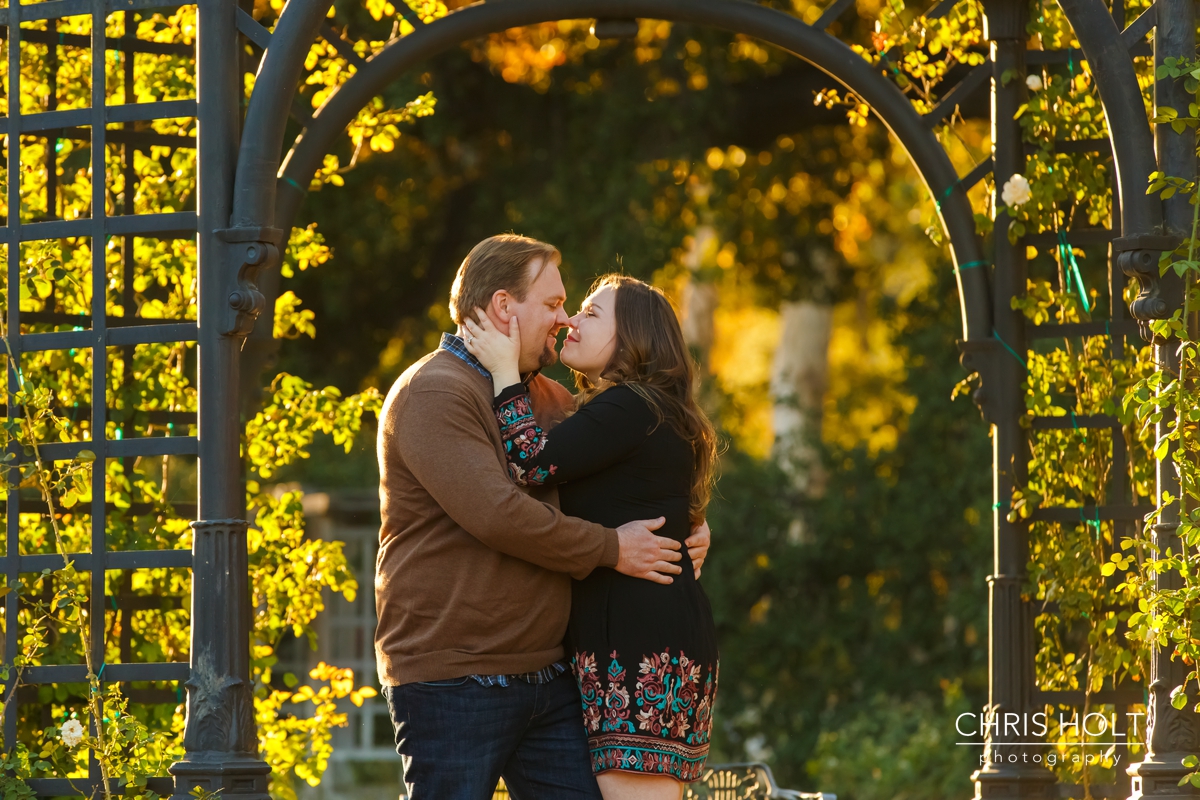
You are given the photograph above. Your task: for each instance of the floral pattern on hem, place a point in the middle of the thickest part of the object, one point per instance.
(669, 733)
(523, 441)
(648, 755)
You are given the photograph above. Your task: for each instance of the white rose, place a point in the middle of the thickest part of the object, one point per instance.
(1016, 191)
(71, 732)
(1034, 82)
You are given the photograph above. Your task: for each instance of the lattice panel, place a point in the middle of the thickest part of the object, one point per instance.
(99, 231)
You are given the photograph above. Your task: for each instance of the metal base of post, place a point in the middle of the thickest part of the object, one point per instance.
(1158, 777)
(220, 740)
(1019, 780)
(242, 777)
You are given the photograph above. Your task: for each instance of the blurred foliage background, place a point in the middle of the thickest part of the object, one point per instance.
(848, 565)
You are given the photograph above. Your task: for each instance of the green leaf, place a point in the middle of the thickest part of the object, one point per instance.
(1165, 113)
(1160, 449)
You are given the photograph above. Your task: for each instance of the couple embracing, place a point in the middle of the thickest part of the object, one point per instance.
(540, 617)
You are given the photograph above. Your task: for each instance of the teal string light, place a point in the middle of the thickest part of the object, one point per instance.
(1014, 353)
(1066, 255)
(99, 675)
(949, 190)
(292, 181)
(888, 62)
(1075, 425)
(970, 265)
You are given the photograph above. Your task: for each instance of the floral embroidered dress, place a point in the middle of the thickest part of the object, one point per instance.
(644, 654)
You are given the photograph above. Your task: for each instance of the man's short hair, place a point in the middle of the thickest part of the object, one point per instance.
(498, 262)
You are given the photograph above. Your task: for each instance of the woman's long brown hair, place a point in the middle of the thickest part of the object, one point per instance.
(652, 358)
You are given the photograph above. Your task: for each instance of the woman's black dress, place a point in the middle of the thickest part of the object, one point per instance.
(644, 654)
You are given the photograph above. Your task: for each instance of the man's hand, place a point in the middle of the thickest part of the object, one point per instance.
(697, 545)
(644, 555)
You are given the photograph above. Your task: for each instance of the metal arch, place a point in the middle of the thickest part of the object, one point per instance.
(267, 113)
(254, 207)
(263, 210)
(1129, 130)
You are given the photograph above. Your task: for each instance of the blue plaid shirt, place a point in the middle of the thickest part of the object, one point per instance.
(543, 675)
(458, 347)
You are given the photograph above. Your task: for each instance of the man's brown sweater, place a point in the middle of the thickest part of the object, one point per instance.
(473, 573)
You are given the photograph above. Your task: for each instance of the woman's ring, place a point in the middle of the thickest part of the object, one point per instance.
(470, 339)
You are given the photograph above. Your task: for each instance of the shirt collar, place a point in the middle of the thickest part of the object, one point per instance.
(455, 345)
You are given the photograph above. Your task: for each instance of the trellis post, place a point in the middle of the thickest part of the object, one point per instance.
(220, 738)
(1010, 623)
(1171, 733)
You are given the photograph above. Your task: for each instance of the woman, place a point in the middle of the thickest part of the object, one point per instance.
(638, 446)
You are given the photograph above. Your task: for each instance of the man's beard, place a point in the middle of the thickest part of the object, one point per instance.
(548, 357)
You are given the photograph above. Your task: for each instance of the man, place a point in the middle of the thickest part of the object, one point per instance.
(473, 574)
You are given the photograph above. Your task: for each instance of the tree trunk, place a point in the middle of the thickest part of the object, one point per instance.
(699, 305)
(799, 377)
(699, 298)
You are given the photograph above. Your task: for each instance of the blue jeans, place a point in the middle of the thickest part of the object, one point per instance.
(457, 738)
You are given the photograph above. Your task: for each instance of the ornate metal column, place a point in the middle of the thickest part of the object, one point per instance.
(220, 738)
(1007, 773)
(1172, 733)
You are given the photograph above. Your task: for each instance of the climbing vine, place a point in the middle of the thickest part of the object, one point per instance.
(1167, 616)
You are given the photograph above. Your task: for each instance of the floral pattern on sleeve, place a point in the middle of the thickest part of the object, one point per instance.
(523, 441)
